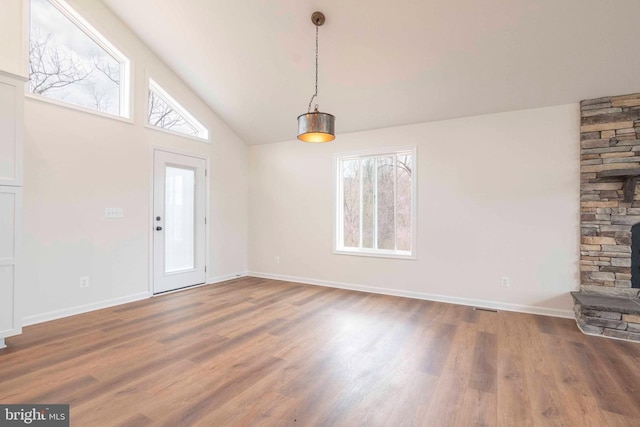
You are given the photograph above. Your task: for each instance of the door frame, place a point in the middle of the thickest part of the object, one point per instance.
(151, 222)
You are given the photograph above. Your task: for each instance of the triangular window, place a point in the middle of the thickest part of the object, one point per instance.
(166, 113)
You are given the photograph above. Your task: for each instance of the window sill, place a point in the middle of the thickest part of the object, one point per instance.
(180, 134)
(68, 106)
(376, 254)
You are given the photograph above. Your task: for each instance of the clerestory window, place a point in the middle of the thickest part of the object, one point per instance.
(72, 63)
(166, 113)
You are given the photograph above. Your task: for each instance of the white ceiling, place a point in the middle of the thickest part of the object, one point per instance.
(386, 63)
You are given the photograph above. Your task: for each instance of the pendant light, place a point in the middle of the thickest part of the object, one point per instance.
(316, 126)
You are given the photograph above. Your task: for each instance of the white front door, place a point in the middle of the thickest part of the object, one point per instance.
(179, 221)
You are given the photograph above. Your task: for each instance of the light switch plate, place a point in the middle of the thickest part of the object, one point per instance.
(113, 213)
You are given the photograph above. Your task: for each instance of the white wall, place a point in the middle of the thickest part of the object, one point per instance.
(77, 164)
(498, 195)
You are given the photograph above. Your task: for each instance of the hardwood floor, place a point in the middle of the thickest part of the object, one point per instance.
(255, 352)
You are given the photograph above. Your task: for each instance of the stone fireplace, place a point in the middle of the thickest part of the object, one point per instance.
(608, 302)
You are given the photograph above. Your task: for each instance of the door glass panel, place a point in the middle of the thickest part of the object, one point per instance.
(179, 225)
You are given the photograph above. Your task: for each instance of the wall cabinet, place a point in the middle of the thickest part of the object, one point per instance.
(10, 227)
(11, 139)
(11, 129)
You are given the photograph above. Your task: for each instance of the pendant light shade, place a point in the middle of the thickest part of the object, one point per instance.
(316, 126)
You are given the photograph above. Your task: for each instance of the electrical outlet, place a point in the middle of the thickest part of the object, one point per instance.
(113, 213)
(84, 282)
(505, 281)
(277, 260)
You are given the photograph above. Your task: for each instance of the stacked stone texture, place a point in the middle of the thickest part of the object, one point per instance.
(609, 139)
(608, 323)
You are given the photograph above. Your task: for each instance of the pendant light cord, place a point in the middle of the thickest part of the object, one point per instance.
(315, 95)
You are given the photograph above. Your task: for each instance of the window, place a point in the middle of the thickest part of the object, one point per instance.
(375, 203)
(69, 61)
(164, 112)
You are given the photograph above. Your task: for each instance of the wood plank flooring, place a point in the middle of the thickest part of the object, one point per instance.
(256, 352)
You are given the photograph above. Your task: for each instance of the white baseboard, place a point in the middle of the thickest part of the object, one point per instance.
(58, 314)
(554, 312)
(2, 344)
(218, 279)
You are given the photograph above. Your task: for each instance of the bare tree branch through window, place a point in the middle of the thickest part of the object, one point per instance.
(67, 64)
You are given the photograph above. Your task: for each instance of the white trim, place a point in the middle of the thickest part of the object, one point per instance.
(530, 309)
(18, 84)
(218, 279)
(79, 21)
(24, 39)
(151, 222)
(14, 76)
(338, 232)
(125, 84)
(379, 253)
(373, 152)
(2, 343)
(72, 311)
(69, 106)
(207, 201)
(124, 107)
(15, 262)
(175, 133)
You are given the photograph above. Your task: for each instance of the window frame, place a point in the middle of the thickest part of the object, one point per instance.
(338, 213)
(124, 107)
(204, 134)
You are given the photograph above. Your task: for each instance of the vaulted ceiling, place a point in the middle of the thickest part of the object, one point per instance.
(388, 63)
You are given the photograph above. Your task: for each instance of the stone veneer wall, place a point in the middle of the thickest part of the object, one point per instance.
(613, 317)
(609, 139)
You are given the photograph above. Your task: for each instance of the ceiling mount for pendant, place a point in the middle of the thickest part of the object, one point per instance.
(316, 126)
(317, 18)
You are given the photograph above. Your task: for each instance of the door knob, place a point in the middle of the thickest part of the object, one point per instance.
(159, 228)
